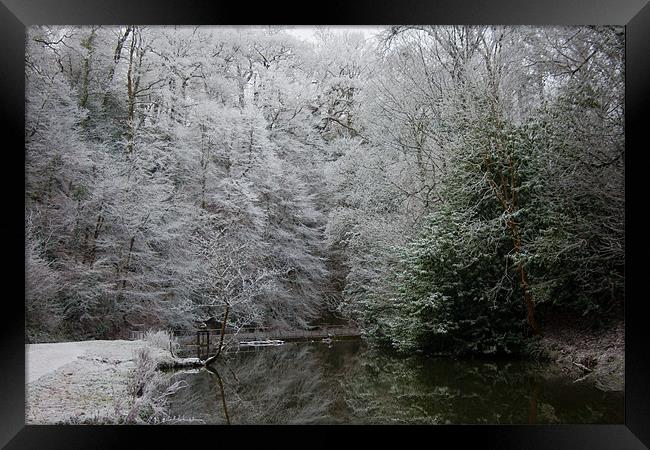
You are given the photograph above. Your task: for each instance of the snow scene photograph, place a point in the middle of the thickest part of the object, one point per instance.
(324, 225)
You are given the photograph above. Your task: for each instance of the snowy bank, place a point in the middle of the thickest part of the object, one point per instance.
(588, 356)
(85, 379)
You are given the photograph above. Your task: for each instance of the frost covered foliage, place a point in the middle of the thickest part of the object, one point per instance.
(149, 390)
(170, 173)
(450, 292)
(502, 147)
(42, 312)
(443, 186)
(163, 340)
(459, 284)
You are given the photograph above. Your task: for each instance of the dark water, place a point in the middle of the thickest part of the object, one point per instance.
(347, 383)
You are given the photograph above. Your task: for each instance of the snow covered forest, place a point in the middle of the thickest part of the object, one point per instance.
(442, 187)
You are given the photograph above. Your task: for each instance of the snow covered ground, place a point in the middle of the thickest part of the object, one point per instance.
(46, 358)
(82, 379)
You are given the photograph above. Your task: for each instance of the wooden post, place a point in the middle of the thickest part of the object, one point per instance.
(203, 342)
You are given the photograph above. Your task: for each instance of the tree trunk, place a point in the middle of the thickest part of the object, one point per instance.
(523, 280)
(128, 260)
(506, 194)
(116, 58)
(204, 164)
(84, 245)
(223, 393)
(88, 45)
(528, 299)
(223, 331)
(130, 133)
(93, 249)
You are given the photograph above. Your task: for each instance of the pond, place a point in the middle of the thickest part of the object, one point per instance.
(346, 382)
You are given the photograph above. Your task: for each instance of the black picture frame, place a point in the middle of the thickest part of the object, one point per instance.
(15, 15)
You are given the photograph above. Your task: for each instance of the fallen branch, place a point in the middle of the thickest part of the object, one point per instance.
(581, 378)
(179, 363)
(584, 368)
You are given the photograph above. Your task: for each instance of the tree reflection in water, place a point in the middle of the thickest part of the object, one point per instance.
(260, 386)
(348, 383)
